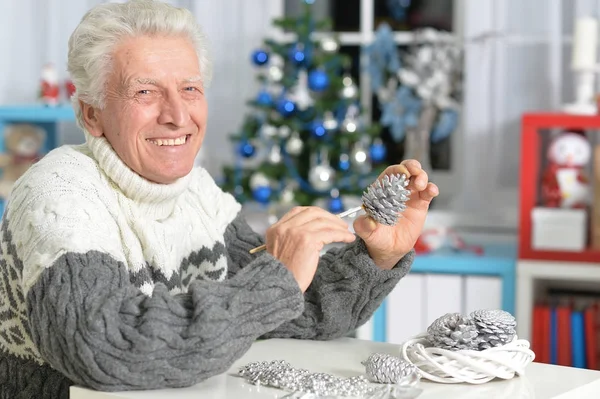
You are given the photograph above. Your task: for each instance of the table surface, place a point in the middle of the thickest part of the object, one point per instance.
(343, 358)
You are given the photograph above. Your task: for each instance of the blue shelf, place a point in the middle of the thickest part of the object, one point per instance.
(35, 113)
(39, 115)
(498, 260)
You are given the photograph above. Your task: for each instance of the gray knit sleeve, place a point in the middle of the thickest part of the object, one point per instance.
(93, 326)
(347, 288)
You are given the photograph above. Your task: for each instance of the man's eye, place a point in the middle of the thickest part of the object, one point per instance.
(143, 92)
(191, 88)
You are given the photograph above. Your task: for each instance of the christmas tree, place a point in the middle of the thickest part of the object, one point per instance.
(305, 140)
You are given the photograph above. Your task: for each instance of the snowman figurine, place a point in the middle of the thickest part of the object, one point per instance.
(564, 183)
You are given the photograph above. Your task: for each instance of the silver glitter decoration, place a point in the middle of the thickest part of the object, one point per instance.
(387, 369)
(385, 198)
(280, 374)
(453, 331)
(496, 327)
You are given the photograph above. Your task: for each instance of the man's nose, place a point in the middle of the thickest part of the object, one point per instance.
(174, 111)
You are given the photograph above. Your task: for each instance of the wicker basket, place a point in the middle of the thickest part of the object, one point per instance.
(470, 366)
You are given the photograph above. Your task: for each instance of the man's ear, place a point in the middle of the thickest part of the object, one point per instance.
(91, 119)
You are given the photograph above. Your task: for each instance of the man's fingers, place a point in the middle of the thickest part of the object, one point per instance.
(430, 192)
(311, 213)
(413, 171)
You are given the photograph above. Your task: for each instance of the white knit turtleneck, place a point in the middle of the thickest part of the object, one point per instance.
(85, 198)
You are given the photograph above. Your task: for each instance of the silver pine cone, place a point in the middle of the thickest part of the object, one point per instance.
(496, 327)
(453, 331)
(385, 198)
(387, 369)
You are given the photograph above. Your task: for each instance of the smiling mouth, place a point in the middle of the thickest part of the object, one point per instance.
(170, 142)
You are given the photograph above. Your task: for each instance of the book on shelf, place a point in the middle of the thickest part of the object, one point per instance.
(566, 329)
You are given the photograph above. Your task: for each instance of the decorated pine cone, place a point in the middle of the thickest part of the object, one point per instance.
(386, 198)
(387, 369)
(453, 332)
(496, 327)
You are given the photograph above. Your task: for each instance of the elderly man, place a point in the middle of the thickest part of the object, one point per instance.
(125, 268)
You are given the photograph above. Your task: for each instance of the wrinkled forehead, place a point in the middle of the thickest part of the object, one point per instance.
(151, 60)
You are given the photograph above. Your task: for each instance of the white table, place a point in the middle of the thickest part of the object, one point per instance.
(342, 358)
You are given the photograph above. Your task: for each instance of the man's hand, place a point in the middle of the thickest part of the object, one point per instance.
(388, 244)
(297, 239)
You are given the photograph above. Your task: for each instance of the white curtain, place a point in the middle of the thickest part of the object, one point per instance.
(35, 32)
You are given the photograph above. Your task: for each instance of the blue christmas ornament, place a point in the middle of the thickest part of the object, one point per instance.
(246, 149)
(264, 98)
(262, 194)
(317, 129)
(260, 57)
(344, 164)
(377, 151)
(286, 107)
(335, 205)
(298, 54)
(318, 80)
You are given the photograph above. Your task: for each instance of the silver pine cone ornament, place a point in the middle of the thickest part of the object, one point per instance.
(386, 198)
(453, 331)
(496, 327)
(387, 369)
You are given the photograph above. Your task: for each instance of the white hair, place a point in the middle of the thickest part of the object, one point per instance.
(92, 44)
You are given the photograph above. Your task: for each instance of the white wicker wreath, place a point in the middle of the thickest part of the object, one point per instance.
(470, 366)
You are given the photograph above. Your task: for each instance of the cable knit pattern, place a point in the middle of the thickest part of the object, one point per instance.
(345, 292)
(117, 338)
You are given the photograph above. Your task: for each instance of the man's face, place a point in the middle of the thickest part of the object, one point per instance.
(155, 109)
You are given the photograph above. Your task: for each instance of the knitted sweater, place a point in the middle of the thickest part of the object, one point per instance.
(115, 283)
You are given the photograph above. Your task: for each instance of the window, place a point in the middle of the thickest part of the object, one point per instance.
(355, 21)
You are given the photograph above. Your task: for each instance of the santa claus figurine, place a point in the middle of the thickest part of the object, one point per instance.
(564, 183)
(49, 90)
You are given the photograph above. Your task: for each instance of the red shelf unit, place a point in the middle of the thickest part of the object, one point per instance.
(532, 126)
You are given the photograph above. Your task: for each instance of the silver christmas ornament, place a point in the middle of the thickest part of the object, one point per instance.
(275, 155)
(280, 374)
(329, 121)
(359, 154)
(496, 327)
(359, 158)
(258, 180)
(284, 131)
(387, 369)
(268, 131)
(349, 91)
(321, 177)
(329, 45)
(287, 195)
(349, 125)
(453, 331)
(294, 144)
(275, 73)
(300, 93)
(386, 198)
(350, 122)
